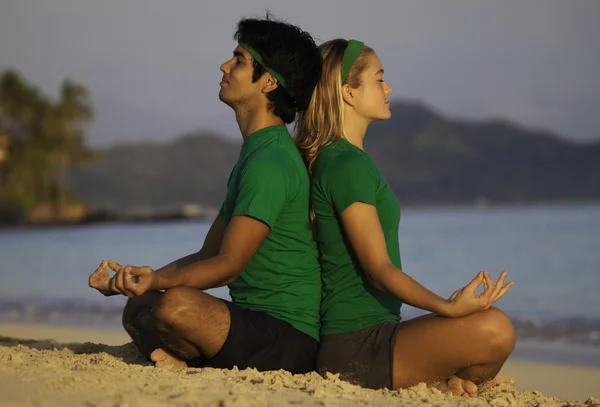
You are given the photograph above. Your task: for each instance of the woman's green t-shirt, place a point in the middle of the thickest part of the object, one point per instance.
(342, 175)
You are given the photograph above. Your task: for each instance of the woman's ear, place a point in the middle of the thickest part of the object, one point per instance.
(347, 94)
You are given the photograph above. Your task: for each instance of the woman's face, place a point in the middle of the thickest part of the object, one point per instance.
(371, 98)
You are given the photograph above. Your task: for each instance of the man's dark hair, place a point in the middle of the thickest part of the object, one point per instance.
(290, 52)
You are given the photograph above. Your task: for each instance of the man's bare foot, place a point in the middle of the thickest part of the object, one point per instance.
(162, 358)
(457, 386)
(504, 381)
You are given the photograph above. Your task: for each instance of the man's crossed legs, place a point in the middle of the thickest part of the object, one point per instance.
(185, 326)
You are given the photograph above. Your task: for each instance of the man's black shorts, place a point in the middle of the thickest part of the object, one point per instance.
(258, 340)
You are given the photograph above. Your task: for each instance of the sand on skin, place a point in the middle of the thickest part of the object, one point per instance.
(41, 372)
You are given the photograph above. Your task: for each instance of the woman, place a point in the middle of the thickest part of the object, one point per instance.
(464, 341)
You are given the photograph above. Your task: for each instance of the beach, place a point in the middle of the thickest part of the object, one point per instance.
(48, 315)
(46, 365)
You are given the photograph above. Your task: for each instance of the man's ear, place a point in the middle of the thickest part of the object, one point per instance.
(270, 83)
(347, 94)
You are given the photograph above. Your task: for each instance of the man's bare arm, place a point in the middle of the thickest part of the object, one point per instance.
(209, 249)
(101, 279)
(241, 241)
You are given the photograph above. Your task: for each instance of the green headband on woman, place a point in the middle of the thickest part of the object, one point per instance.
(259, 59)
(351, 54)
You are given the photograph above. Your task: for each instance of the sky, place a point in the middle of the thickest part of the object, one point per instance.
(153, 65)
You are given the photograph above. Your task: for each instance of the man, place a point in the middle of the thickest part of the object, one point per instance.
(260, 245)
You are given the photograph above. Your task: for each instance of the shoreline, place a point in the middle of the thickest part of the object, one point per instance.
(105, 217)
(549, 338)
(527, 351)
(53, 345)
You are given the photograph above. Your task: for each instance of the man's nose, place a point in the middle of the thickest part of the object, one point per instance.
(225, 67)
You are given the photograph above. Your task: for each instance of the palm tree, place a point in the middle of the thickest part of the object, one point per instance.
(66, 126)
(44, 137)
(17, 101)
(4, 146)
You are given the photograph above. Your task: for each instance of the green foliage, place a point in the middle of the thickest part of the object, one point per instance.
(41, 139)
(13, 199)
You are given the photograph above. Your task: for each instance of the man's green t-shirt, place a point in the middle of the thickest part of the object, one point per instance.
(270, 183)
(342, 175)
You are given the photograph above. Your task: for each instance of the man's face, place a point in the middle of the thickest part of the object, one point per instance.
(236, 85)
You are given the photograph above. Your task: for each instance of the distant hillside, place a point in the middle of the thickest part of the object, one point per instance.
(426, 158)
(431, 159)
(194, 168)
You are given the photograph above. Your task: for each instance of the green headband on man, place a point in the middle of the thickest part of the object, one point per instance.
(259, 59)
(351, 54)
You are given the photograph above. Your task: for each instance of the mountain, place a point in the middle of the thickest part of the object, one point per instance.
(193, 169)
(426, 157)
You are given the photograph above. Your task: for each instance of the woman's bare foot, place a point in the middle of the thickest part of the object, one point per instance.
(162, 358)
(457, 386)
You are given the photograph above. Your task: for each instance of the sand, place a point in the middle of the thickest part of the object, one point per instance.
(109, 372)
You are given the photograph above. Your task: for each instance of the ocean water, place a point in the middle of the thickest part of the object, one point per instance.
(551, 252)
